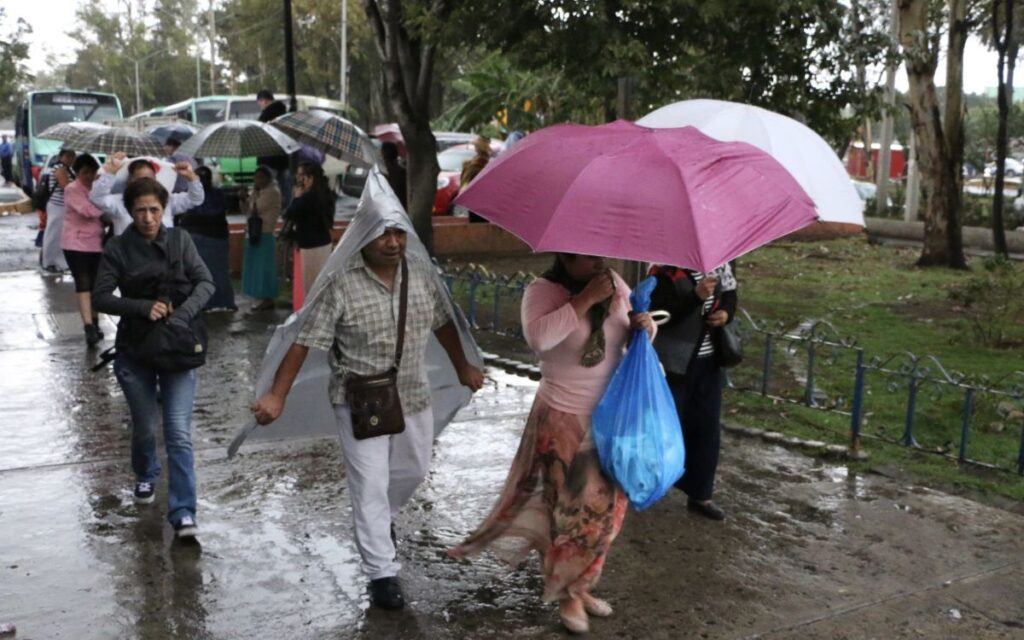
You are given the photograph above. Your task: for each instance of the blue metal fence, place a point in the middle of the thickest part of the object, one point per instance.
(813, 365)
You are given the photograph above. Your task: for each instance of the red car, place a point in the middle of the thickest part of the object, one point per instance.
(450, 176)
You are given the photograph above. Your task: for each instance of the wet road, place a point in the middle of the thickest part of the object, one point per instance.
(810, 550)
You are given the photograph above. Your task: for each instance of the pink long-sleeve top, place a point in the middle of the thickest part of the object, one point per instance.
(83, 229)
(557, 335)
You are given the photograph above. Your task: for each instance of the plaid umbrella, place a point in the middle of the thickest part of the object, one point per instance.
(64, 130)
(238, 139)
(114, 139)
(329, 133)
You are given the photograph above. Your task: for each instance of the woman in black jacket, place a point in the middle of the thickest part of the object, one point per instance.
(161, 278)
(310, 216)
(208, 225)
(700, 304)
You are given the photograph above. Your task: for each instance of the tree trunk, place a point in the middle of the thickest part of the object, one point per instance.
(885, 149)
(954, 128)
(408, 64)
(920, 51)
(1006, 45)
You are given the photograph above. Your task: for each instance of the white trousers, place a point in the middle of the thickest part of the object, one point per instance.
(382, 474)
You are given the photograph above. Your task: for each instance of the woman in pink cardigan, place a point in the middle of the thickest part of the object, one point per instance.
(82, 240)
(556, 499)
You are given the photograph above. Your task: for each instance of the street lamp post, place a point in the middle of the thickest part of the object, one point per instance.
(344, 53)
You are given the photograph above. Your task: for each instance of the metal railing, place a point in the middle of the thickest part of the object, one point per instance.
(903, 398)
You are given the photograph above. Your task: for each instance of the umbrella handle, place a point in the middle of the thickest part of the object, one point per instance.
(660, 317)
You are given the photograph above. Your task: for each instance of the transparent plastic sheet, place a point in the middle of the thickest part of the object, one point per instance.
(635, 426)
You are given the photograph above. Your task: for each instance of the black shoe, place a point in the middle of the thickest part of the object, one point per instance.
(186, 527)
(386, 593)
(92, 335)
(144, 492)
(707, 509)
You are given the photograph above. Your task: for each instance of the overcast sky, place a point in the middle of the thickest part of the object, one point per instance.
(52, 19)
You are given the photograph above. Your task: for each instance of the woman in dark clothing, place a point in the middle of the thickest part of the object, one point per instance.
(311, 215)
(700, 304)
(154, 287)
(208, 225)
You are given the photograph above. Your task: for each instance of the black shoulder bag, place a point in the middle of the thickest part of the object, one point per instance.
(170, 346)
(373, 400)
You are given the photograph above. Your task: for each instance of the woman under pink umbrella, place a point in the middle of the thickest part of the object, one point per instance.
(556, 499)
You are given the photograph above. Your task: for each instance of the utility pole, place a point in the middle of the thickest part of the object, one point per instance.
(213, 49)
(138, 94)
(289, 55)
(344, 53)
(885, 152)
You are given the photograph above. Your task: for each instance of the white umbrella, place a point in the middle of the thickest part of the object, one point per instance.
(799, 149)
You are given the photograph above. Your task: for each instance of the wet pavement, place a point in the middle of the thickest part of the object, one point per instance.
(810, 549)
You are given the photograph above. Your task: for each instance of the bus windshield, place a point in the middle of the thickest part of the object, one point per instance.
(209, 112)
(244, 110)
(49, 109)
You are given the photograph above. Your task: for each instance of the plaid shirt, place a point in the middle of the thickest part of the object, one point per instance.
(358, 315)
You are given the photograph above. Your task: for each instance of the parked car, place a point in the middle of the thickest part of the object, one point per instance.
(868, 191)
(1014, 168)
(449, 178)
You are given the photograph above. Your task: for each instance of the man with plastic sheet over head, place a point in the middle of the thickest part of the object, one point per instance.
(352, 321)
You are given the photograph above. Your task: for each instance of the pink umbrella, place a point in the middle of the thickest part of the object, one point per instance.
(669, 196)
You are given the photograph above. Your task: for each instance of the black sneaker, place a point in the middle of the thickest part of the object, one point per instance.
(144, 492)
(186, 527)
(707, 509)
(386, 593)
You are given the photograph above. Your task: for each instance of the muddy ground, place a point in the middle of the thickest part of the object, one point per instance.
(810, 550)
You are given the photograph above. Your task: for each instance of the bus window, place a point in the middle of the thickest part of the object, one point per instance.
(210, 112)
(244, 110)
(49, 109)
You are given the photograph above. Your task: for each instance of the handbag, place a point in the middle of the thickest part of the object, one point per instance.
(728, 346)
(373, 400)
(254, 228)
(172, 345)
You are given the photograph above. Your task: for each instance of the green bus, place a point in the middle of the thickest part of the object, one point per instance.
(42, 109)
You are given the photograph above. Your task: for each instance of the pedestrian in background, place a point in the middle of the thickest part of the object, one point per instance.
(310, 217)
(171, 152)
(113, 203)
(208, 224)
(59, 177)
(397, 176)
(556, 498)
(700, 304)
(472, 167)
(82, 241)
(155, 286)
(6, 159)
(270, 108)
(259, 266)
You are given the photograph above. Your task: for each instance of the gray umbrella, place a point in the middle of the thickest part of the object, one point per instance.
(64, 130)
(238, 139)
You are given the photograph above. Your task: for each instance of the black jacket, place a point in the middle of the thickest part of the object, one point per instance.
(313, 217)
(271, 111)
(679, 339)
(140, 269)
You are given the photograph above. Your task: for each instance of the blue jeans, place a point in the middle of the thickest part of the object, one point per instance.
(177, 396)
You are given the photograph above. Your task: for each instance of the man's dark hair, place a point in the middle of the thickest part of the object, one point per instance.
(264, 94)
(144, 187)
(140, 162)
(65, 152)
(205, 177)
(389, 151)
(174, 142)
(85, 161)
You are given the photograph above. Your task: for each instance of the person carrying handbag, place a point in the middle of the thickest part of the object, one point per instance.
(374, 316)
(163, 286)
(693, 355)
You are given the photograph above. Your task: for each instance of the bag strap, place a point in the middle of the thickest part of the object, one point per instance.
(403, 302)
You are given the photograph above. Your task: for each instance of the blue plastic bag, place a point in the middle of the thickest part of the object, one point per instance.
(635, 426)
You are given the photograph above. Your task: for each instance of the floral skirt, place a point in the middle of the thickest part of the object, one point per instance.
(556, 500)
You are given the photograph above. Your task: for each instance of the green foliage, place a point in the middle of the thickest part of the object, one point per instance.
(993, 301)
(13, 53)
